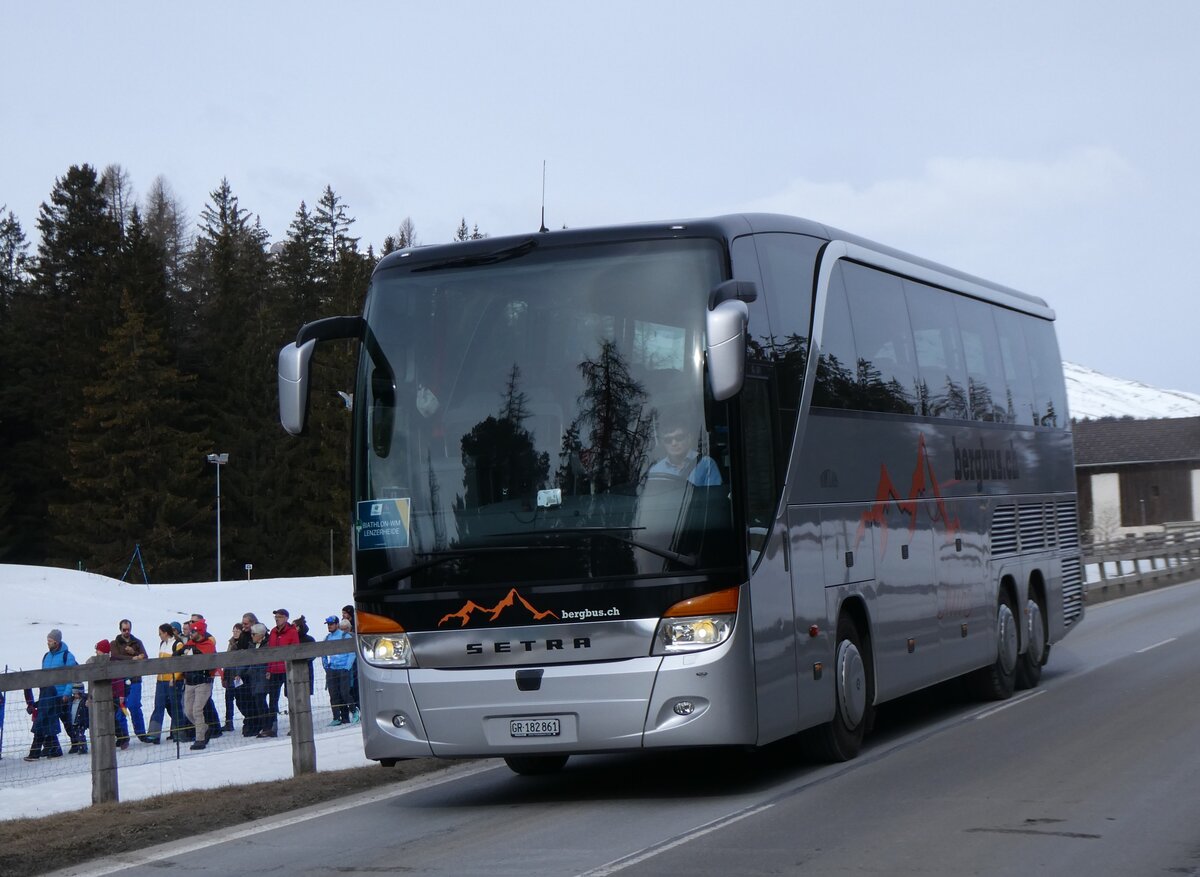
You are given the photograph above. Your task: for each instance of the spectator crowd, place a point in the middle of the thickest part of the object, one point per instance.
(185, 705)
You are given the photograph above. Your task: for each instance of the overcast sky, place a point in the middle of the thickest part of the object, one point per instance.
(1048, 146)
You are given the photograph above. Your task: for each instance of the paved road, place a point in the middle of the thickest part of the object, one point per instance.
(1095, 772)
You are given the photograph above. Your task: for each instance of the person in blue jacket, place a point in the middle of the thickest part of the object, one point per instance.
(338, 669)
(52, 700)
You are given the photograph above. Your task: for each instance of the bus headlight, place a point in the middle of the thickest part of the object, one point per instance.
(386, 650)
(697, 623)
(676, 635)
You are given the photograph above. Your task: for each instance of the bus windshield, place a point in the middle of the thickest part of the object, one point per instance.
(540, 416)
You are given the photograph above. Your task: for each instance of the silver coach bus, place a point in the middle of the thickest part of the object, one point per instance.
(704, 483)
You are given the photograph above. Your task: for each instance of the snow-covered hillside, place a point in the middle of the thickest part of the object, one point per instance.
(1092, 395)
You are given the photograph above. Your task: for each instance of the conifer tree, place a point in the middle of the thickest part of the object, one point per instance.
(321, 273)
(14, 259)
(232, 348)
(334, 223)
(166, 225)
(118, 192)
(70, 308)
(14, 285)
(136, 471)
(461, 234)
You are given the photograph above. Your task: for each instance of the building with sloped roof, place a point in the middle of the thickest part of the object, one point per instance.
(1137, 475)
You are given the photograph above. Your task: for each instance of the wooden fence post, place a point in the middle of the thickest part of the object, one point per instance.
(304, 749)
(102, 727)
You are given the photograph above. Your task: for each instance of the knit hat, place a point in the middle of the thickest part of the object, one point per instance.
(177, 626)
(104, 646)
(55, 634)
(200, 627)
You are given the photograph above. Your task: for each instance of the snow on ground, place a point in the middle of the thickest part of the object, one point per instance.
(1091, 394)
(87, 608)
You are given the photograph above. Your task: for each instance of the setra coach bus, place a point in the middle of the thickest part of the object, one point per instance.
(686, 484)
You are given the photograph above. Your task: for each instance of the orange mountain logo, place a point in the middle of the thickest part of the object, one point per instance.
(924, 483)
(513, 603)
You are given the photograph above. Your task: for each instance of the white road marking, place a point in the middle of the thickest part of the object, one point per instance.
(1016, 701)
(1155, 646)
(657, 849)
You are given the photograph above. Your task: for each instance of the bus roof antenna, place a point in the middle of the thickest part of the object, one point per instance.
(543, 229)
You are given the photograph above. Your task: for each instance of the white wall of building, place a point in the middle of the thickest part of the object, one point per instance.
(1106, 506)
(1196, 494)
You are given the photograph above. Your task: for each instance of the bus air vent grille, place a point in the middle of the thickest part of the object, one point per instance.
(1004, 530)
(1033, 526)
(1072, 587)
(1068, 524)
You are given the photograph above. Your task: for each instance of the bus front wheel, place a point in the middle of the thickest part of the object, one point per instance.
(535, 765)
(854, 693)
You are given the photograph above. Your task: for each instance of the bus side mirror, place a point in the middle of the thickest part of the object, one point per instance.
(296, 359)
(725, 327)
(294, 362)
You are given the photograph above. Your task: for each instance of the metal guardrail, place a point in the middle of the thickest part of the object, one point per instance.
(1126, 566)
(102, 730)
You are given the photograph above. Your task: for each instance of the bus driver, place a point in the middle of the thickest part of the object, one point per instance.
(682, 459)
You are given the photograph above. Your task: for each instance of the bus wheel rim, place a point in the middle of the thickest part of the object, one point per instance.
(1006, 628)
(852, 684)
(1037, 633)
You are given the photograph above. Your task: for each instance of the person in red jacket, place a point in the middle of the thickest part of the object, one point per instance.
(284, 633)
(197, 684)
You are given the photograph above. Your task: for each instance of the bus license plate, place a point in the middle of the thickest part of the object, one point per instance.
(534, 727)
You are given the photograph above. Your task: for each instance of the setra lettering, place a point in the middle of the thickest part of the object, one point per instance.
(503, 647)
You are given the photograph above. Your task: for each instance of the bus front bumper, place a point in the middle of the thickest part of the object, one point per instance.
(699, 699)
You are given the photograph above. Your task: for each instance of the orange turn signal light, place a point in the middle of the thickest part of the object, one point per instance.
(366, 622)
(717, 603)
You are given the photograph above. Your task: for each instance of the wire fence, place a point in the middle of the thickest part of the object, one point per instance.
(247, 705)
(233, 721)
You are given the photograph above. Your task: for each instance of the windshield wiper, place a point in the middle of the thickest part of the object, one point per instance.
(688, 560)
(435, 558)
(503, 255)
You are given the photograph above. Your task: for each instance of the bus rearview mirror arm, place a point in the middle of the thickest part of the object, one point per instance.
(725, 330)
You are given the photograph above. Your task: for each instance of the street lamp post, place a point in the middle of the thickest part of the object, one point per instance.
(218, 460)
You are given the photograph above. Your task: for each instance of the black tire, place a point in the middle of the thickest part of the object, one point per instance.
(997, 680)
(854, 697)
(535, 765)
(1037, 648)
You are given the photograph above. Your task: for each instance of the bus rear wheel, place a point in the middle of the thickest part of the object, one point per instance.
(1029, 666)
(535, 765)
(998, 679)
(854, 690)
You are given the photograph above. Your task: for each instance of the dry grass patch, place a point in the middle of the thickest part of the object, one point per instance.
(48, 843)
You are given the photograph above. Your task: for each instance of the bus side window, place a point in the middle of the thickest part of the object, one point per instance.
(1050, 393)
(987, 391)
(886, 366)
(1015, 356)
(942, 378)
(837, 364)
